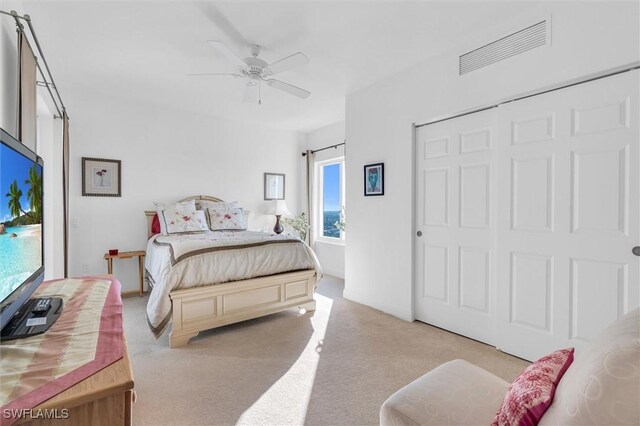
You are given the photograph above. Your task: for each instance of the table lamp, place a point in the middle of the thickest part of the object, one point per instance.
(281, 209)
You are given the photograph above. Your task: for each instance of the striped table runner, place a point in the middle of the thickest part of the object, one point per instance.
(86, 338)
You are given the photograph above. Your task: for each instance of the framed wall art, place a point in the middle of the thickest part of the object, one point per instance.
(374, 179)
(101, 177)
(274, 186)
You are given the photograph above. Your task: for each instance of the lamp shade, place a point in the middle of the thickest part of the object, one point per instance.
(281, 209)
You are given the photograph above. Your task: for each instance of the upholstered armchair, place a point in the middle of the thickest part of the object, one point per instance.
(601, 386)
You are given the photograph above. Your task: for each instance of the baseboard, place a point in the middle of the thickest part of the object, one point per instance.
(350, 295)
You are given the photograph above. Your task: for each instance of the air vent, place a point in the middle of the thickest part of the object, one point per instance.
(526, 39)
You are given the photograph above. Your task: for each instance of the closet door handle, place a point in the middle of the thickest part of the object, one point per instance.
(419, 233)
(636, 250)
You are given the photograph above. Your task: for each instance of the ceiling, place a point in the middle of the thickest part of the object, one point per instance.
(143, 50)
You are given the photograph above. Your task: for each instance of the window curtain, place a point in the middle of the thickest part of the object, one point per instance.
(311, 215)
(27, 106)
(65, 189)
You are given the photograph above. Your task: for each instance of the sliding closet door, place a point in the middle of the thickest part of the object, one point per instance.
(568, 214)
(455, 225)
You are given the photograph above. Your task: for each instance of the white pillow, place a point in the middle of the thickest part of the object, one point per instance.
(179, 222)
(184, 206)
(227, 219)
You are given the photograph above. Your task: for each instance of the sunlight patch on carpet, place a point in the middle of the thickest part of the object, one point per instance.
(286, 401)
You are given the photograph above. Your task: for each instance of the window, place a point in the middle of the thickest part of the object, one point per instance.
(330, 199)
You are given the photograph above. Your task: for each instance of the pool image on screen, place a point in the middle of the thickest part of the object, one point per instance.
(20, 219)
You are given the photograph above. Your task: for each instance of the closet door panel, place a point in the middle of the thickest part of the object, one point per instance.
(593, 304)
(532, 188)
(531, 280)
(455, 212)
(568, 214)
(531, 289)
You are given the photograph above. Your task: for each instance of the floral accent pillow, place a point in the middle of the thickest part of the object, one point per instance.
(184, 221)
(531, 394)
(227, 219)
(183, 206)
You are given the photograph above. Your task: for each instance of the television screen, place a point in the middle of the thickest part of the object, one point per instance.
(21, 201)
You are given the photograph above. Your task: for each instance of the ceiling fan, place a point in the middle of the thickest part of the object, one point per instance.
(256, 71)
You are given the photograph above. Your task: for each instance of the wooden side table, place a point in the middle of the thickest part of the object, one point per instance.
(140, 254)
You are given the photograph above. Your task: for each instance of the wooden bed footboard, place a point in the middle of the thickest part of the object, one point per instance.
(202, 308)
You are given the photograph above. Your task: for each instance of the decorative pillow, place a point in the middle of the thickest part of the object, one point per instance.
(226, 219)
(531, 393)
(155, 225)
(178, 222)
(184, 206)
(160, 214)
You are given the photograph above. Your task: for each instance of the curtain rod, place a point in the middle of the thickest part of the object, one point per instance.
(48, 85)
(304, 154)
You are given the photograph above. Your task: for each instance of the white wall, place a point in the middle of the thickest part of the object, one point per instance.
(49, 147)
(330, 255)
(166, 155)
(587, 38)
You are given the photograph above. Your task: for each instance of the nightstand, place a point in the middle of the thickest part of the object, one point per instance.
(128, 255)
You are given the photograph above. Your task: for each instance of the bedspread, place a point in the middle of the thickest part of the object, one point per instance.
(214, 257)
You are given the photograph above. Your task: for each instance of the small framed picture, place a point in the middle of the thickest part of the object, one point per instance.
(100, 177)
(374, 179)
(274, 186)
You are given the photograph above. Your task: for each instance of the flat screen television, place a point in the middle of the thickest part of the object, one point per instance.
(22, 243)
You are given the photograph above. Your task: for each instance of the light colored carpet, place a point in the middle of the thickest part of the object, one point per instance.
(334, 366)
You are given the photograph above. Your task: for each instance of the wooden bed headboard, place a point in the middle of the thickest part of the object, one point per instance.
(201, 197)
(150, 213)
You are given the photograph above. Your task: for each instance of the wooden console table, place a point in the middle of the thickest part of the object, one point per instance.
(101, 399)
(128, 255)
(105, 395)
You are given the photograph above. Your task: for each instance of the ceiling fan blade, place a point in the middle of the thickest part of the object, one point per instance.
(211, 11)
(290, 62)
(215, 75)
(286, 87)
(228, 53)
(251, 92)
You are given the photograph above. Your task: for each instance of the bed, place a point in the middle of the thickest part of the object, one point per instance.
(208, 279)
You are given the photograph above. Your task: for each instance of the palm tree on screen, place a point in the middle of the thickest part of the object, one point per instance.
(34, 195)
(14, 195)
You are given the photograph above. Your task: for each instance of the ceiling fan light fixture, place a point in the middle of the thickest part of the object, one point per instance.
(256, 70)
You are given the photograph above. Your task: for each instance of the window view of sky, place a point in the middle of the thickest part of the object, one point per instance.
(331, 188)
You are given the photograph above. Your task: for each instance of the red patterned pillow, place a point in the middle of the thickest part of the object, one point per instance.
(531, 393)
